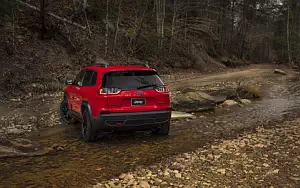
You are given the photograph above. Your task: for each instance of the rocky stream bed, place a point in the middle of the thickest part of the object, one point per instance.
(239, 143)
(267, 157)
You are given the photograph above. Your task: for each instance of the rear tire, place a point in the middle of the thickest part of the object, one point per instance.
(164, 130)
(65, 117)
(86, 128)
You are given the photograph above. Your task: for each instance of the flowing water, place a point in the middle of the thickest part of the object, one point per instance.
(82, 164)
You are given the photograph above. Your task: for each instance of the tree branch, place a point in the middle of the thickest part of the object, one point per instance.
(53, 15)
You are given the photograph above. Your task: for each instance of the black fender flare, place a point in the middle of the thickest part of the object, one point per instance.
(86, 106)
(65, 96)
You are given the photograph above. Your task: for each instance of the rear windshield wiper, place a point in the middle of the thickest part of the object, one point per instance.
(146, 86)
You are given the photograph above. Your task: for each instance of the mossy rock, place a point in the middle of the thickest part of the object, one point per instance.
(190, 100)
(248, 92)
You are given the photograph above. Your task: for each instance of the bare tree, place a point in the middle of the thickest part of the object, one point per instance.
(106, 26)
(233, 20)
(288, 31)
(52, 15)
(186, 19)
(173, 26)
(42, 18)
(117, 27)
(163, 23)
(160, 19)
(79, 5)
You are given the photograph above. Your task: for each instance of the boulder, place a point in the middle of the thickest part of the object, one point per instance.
(248, 92)
(193, 101)
(245, 101)
(230, 103)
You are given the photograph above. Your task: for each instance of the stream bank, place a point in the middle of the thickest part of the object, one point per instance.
(85, 164)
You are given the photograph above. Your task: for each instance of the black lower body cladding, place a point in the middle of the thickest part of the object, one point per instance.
(137, 121)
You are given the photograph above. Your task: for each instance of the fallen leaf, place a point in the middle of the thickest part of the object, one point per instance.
(98, 169)
(276, 171)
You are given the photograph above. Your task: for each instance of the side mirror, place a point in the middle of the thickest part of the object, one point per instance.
(69, 82)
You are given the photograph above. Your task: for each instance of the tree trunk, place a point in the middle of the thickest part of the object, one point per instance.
(158, 10)
(298, 31)
(106, 26)
(173, 26)
(42, 19)
(288, 33)
(53, 15)
(163, 23)
(139, 26)
(245, 29)
(233, 17)
(185, 23)
(223, 34)
(117, 27)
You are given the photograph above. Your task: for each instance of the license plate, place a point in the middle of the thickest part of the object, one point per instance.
(138, 102)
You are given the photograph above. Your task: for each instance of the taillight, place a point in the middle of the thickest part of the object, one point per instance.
(109, 91)
(162, 89)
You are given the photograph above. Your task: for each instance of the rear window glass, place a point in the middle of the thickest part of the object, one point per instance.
(132, 80)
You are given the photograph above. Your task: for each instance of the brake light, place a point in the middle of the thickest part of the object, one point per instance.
(162, 89)
(109, 91)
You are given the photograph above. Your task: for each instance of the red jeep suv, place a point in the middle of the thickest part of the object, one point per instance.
(117, 98)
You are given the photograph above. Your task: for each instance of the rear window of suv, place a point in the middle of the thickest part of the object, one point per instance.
(132, 80)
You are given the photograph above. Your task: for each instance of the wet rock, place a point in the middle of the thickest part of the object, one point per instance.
(230, 103)
(20, 147)
(179, 115)
(8, 151)
(193, 102)
(14, 131)
(245, 101)
(278, 71)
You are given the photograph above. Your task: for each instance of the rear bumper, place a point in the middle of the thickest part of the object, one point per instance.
(131, 121)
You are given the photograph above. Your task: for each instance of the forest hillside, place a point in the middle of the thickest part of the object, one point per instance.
(44, 41)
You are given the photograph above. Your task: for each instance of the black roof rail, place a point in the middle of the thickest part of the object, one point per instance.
(104, 65)
(138, 64)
